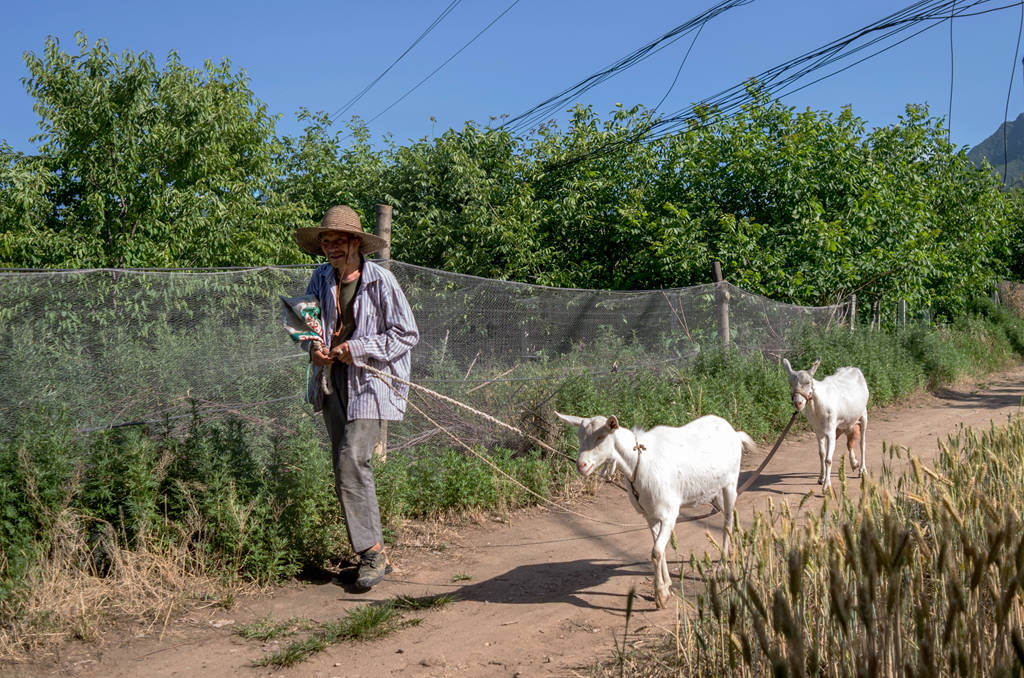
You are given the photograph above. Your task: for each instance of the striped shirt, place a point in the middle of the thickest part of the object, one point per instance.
(384, 336)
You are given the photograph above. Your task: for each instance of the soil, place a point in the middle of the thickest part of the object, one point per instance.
(539, 593)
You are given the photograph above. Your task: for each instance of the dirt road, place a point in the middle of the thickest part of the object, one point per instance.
(539, 595)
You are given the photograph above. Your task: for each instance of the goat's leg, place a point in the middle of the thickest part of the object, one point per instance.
(662, 580)
(852, 436)
(830, 448)
(728, 502)
(863, 442)
(659, 567)
(822, 446)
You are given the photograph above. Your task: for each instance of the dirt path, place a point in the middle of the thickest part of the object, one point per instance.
(541, 595)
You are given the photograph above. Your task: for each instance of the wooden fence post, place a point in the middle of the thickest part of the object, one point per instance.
(722, 303)
(876, 314)
(382, 228)
(853, 312)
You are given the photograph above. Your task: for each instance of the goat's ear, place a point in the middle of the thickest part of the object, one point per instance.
(612, 423)
(814, 367)
(789, 368)
(569, 419)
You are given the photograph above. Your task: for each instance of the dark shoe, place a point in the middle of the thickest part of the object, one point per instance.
(373, 566)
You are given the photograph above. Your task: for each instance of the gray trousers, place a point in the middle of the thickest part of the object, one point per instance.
(352, 444)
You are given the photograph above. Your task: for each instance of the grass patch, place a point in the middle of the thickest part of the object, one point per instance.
(235, 502)
(268, 629)
(364, 622)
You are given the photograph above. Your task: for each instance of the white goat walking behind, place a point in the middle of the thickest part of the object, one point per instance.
(668, 468)
(835, 405)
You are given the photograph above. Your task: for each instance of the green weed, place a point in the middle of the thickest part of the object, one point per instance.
(364, 622)
(268, 629)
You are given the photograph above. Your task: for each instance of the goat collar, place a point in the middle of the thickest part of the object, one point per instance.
(807, 396)
(639, 448)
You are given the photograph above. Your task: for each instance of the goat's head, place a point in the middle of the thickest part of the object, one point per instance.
(596, 444)
(801, 383)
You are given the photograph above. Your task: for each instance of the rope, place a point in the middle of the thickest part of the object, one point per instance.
(749, 481)
(497, 469)
(639, 448)
(386, 378)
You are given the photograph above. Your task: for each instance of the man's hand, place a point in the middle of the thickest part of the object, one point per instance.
(342, 353)
(319, 356)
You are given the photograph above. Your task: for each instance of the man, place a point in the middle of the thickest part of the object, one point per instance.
(368, 322)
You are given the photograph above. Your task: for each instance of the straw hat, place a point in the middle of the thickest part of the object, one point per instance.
(341, 219)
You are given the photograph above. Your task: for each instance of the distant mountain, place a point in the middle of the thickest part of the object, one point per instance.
(991, 149)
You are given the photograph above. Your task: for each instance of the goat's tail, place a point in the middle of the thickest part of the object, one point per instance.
(748, 443)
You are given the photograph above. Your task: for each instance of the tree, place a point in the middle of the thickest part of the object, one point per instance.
(145, 167)
(463, 205)
(317, 169)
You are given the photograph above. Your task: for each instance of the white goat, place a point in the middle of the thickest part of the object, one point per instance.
(835, 405)
(668, 468)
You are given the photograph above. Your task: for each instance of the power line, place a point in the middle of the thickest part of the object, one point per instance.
(949, 114)
(787, 75)
(1006, 111)
(457, 52)
(534, 116)
(433, 24)
(680, 69)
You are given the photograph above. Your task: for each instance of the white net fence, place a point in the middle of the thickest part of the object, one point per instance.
(110, 348)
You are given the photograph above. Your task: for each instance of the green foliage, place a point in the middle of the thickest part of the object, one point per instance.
(147, 166)
(444, 481)
(141, 166)
(257, 502)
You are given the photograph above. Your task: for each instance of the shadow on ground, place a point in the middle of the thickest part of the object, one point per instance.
(556, 582)
(996, 398)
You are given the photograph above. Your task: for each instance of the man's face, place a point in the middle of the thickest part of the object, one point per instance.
(340, 248)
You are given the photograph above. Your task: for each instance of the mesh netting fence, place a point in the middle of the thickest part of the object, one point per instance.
(112, 348)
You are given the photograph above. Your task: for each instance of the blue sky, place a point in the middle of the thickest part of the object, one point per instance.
(319, 54)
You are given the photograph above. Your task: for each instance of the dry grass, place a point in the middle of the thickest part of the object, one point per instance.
(921, 574)
(66, 598)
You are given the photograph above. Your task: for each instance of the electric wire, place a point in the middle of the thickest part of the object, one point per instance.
(680, 69)
(351, 102)
(784, 79)
(446, 62)
(536, 115)
(949, 113)
(1006, 111)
